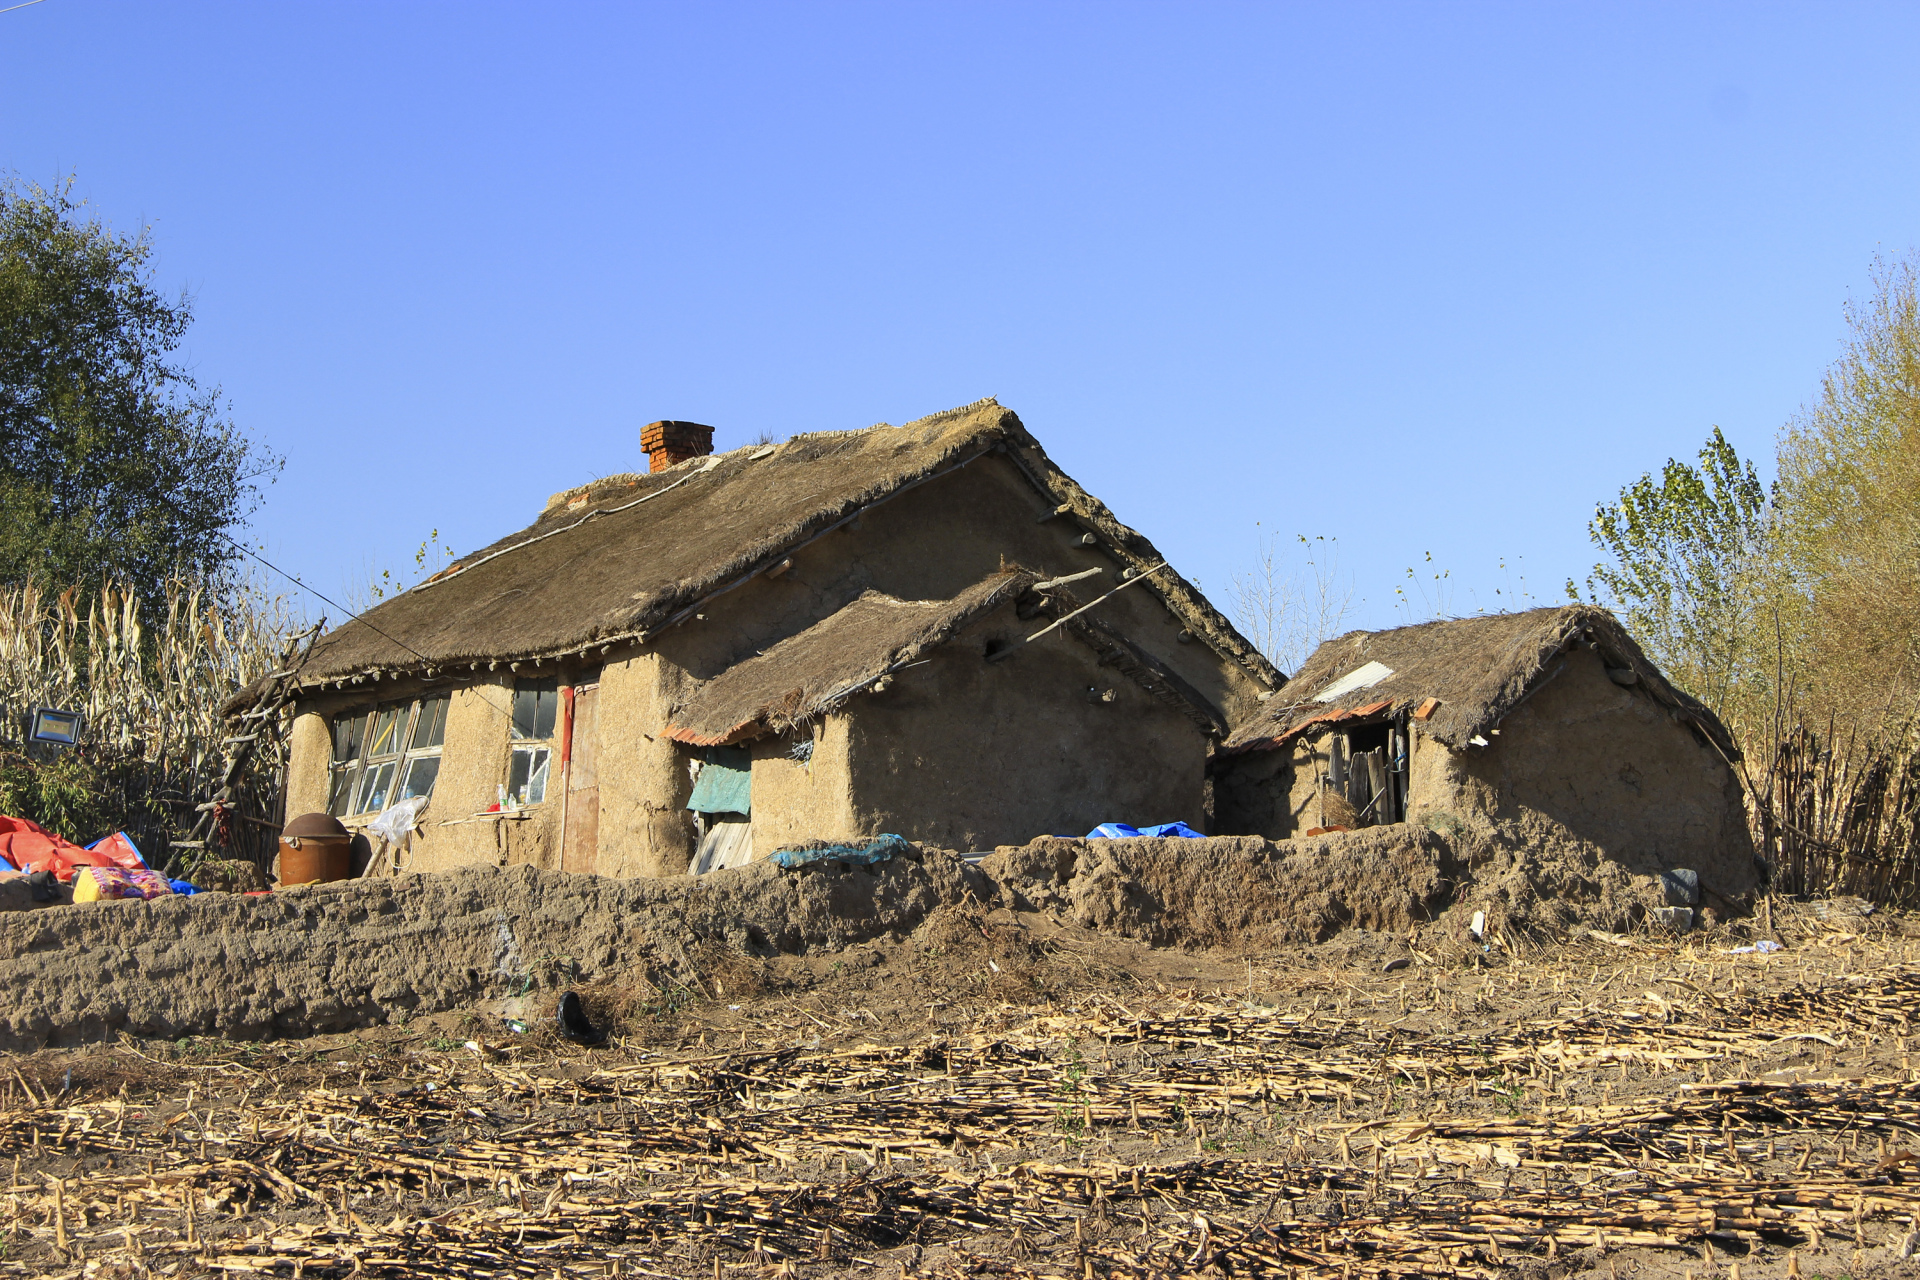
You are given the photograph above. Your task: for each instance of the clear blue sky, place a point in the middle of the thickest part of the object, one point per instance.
(1424, 278)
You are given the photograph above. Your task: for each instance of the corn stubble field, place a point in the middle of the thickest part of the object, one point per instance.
(1005, 1097)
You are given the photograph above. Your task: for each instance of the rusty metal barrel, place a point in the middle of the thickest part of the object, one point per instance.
(315, 848)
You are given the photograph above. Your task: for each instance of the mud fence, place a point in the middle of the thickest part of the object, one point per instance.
(329, 958)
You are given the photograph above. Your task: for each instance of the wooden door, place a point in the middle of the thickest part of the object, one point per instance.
(581, 839)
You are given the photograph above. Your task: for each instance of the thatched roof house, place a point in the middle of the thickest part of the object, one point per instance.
(828, 634)
(1549, 727)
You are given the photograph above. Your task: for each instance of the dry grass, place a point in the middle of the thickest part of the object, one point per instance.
(1650, 1108)
(149, 677)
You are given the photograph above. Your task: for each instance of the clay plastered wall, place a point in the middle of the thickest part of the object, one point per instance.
(1250, 794)
(1608, 766)
(309, 752)
(455, 830)
(795, 802)
(1275, 793)
(645, 829)
(1302, 803)
(968, 754)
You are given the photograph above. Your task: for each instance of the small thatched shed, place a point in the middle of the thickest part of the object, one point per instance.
(1548, 729)
(826, 638)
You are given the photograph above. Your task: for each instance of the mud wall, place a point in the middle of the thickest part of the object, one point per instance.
(970, 754)
(644, 826)
(455, 830)
(1239, 892)
(1585, 764)
(796, 801)
(363, 952)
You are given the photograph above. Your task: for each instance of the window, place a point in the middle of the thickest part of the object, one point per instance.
(386, 755)
(536, 705)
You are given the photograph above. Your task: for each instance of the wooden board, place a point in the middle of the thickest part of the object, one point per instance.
(581, 840)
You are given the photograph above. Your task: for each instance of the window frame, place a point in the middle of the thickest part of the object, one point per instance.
(410, 733)
(531, 716)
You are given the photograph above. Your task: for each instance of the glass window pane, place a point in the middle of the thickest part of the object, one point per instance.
(385, 737)
(527, 783)
(419, 779)
(348, 733)
(343, 780)
(534, 704)
(430, 726)
(373, 791)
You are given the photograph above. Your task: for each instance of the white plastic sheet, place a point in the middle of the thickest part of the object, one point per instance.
(394, 825)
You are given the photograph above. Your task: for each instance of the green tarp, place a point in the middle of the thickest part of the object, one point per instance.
(726, 782)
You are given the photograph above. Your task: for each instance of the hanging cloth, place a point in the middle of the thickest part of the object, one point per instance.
(726, 782)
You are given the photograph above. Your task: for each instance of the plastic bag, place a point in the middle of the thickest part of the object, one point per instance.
(397, 823)
(1121, 831)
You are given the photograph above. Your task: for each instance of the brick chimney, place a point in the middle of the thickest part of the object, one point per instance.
(669, 442)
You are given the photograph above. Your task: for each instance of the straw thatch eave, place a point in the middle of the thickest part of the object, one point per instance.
(612, 563)
(815, 673)
(855, 649)
(1477, 669)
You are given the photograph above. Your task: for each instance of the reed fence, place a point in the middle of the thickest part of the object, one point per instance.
(1840, 814)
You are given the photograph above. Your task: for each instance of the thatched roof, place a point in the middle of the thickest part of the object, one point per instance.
(811, 674)
(623, 557)
(1479, 669)
(818, 671)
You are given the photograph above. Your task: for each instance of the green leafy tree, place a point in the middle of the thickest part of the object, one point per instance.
(113, 459)
(1687, 570)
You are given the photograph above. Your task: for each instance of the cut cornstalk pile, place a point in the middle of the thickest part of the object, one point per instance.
(812, 1161)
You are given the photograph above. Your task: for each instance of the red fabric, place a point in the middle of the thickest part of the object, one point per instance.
(119, 851)
(27, 846)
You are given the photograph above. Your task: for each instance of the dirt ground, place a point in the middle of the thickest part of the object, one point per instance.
(1001, 1094)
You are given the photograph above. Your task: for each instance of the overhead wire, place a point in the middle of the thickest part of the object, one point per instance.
(245, 550)
(505, 713)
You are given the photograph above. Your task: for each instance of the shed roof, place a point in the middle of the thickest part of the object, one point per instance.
(815, 672)
(1479, 669)
(846, 653)
(625, 556)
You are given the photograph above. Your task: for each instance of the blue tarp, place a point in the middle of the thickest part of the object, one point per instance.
(878, 849)
(725, 784)
(1120, 831)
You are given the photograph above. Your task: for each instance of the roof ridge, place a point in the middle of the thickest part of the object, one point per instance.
(946, 415)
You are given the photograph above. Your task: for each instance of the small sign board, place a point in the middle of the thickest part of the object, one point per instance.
(62, 728)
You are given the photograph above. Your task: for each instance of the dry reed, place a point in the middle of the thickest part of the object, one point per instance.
(1842, 817)
(149, 679)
